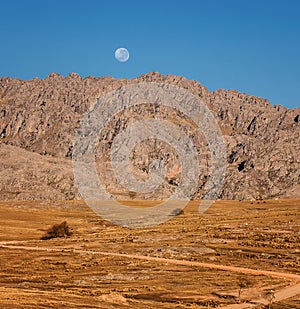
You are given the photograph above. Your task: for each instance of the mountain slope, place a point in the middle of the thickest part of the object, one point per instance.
(38, 119)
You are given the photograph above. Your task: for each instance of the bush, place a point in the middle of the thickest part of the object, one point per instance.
(176, 212)
(57, 230)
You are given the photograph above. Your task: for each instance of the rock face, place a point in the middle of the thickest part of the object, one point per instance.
(38, 119)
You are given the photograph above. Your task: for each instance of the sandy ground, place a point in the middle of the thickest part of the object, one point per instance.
(192, 261)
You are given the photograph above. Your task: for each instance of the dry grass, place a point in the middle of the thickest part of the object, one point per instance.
(260, 235)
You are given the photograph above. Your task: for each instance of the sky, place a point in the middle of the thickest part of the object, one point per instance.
(250, 46)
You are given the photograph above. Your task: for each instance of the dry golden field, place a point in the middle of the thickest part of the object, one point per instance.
(192, 261)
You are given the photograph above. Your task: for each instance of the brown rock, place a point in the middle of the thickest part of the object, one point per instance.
(38, 120)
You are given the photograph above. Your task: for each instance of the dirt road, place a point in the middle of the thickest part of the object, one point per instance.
(285, 293)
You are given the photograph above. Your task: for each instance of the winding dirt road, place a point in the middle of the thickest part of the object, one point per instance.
(282, 294)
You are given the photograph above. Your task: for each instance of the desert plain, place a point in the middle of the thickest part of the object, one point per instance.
(194, 260)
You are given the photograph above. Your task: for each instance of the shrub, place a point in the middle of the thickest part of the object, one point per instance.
(57, 230)
(243, 283)
(176, 212)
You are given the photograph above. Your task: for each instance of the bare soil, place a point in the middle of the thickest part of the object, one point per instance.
(192, 261)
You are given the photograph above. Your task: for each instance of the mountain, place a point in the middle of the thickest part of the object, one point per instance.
(38, 120)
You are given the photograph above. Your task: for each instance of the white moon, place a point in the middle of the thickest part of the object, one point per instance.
(122, 54)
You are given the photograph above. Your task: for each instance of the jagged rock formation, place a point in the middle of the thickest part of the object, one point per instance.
(38, 119)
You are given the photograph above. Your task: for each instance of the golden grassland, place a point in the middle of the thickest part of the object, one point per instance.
(261, 235)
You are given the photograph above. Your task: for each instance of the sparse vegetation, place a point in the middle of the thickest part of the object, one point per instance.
(231, 233)
(57, 230)
(269, 296)
(243, 283)
(177, 212)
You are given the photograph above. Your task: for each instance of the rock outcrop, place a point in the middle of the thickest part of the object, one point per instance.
(38, 119)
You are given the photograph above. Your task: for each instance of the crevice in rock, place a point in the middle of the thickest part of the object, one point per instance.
(241, 166)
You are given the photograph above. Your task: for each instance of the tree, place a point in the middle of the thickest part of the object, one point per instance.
(243, 283)
(269, 296)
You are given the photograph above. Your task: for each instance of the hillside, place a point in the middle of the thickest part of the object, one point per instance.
(38, 120)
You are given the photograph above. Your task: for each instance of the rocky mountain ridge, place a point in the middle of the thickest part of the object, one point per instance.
(38, 119)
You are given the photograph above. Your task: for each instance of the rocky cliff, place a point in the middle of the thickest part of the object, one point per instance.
(38, 119)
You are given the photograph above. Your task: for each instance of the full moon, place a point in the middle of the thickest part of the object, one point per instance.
(122, 54)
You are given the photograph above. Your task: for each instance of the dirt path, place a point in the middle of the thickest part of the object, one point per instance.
(285, 293)
(163, 260)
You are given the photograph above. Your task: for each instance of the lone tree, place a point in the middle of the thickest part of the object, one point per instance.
(57, 230)
(269, 296)
(243, 283)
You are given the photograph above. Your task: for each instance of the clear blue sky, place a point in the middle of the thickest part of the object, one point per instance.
(252, 46)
